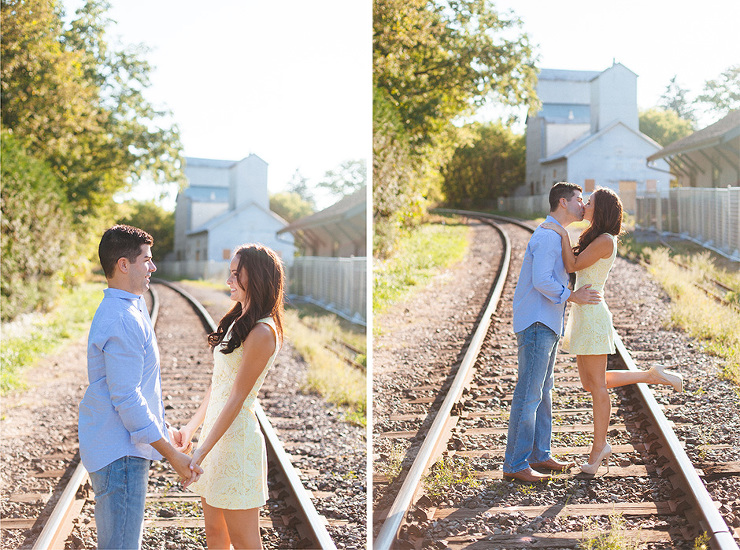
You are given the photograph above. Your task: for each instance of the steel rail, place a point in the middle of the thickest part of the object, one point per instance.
(711, 520)
(53, 535)
(315, 523)
(404, 498)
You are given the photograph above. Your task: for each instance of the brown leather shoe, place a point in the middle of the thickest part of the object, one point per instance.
(553, 465)
(528, 475)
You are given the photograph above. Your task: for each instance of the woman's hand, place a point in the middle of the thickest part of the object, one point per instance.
(559, 229)
(182, 439)
(198, 455)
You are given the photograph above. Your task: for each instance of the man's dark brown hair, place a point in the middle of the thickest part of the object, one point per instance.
(121, 241)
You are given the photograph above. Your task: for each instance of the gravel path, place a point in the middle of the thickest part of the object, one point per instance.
(708, 413)
(41, 422)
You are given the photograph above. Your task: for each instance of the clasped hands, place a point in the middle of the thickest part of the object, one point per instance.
(188, 468)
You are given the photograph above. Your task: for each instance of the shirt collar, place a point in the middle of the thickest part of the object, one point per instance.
(118, 293)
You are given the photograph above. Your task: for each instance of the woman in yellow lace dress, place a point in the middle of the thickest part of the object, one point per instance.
(231, 448)
(589, 332)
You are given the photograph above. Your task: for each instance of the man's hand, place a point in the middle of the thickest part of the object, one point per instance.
(585, 295)
(181, 463)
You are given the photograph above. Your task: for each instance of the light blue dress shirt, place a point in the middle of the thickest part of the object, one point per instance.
(542, 290)
(122, 411)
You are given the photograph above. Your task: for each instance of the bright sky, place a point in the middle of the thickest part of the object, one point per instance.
(656, 39)
(289, 81)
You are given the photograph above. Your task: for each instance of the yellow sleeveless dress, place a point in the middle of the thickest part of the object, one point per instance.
(589, 330)
(235, 471)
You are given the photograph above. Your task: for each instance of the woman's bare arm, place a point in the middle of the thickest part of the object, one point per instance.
(258, 348)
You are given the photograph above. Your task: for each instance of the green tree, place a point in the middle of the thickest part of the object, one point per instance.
(664, 125)
(435, 61)
(35, 232)
(676, 98)
(345, 179)
(290, 206)
(298, 184)
(77, 104)
(156, 221)
(491, 165)
(722, 95)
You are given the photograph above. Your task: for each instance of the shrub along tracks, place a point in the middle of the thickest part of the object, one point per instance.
(482, 510)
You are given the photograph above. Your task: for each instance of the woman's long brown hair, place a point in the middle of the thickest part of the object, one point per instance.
(607, 218)
(265, 282)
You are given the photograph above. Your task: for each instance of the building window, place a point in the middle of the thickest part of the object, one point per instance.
(226, 254)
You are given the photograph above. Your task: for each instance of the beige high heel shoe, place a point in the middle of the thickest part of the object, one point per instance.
(592, 467)
(668, 378)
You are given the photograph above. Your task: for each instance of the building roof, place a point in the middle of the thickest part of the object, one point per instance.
(720, 132)
(563, 74)
(564, 113)
(579, 144)
(228, 215)
(348, 207)
(207, 193)
(197, 162)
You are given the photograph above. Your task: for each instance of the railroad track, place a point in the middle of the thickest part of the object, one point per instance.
(289, 520)
(460, 417)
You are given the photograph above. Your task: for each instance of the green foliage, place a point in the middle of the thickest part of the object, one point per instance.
(298, 184)
(722, 95)
(75, 104)
(27, 342)
(676, 98)
(449, 473)
(664, 125)
(433, 62)
(393, 183)
(36, 224)
(596, 538)
(420, 255)
(156, 221)
(347, 178)
(290, 206)
(489, 167)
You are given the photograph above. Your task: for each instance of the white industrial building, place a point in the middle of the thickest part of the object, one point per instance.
(225, 204)
(587, 132)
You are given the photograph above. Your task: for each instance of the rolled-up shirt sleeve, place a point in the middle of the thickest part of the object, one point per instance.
(543, 263)
(124, 354)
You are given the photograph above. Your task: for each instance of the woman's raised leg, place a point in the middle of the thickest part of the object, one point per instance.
(217, 532)
(244, 528)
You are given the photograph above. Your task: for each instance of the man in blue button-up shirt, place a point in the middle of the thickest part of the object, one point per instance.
(121, 426)
(539, 309)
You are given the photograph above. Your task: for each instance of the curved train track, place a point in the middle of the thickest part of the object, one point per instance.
(461, 421)
(289, 520)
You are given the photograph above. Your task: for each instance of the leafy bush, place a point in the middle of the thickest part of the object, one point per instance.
(36, 221)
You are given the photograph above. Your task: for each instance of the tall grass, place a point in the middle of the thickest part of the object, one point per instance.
(695, 312)
(31, 337)
(328, 375)
(419, 256)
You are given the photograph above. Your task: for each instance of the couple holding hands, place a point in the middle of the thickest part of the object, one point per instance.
(121, 422)
(539, 311)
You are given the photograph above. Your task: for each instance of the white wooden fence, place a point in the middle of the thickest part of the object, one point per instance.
(708, 216)
(337, 284)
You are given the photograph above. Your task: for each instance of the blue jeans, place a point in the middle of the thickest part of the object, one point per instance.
(530, 418)
(120, 492)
